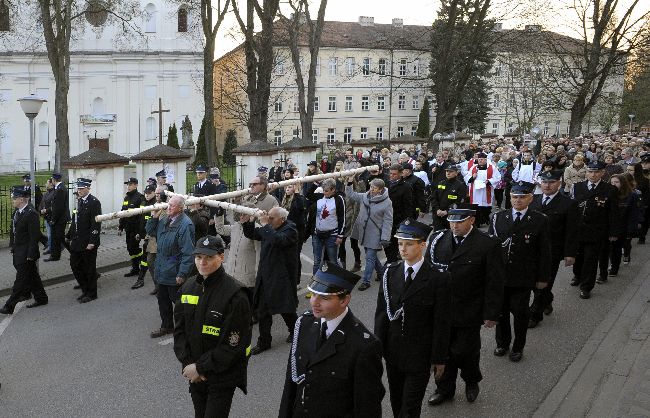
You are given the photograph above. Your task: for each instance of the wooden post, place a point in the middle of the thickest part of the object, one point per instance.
(160, 111)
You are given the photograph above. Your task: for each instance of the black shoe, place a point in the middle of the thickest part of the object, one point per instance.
(289, 338)
(6, 311)
(613, 273)
(161, 332)
(356, 268)
(548, 310)
(87, 299)
(626, 260)
(585, 294)
(364, 286)
(52, 259)
(500, 351)
(138, 284)
(77, 287)
(438, 398)
(24, 298)
(532, 323)
(516, 356)
(35, 304)
(601, 280)
(46, 252)
(471, 392)
(132, 273)
(81, 296)
(259, 349)
(575, 282)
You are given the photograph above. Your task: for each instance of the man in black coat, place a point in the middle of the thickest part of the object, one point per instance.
(334, 367)
(84, 241)
(526, 248)
(277, 274)
(417, 185)
(401, 197)
(23, 239)
(477, 275)
(275, 173)
(212, 332)
(161, 180)
(27, 185)
(598, 224)
(448, 192)
(412, 321)
(562, 213)
(59, 217)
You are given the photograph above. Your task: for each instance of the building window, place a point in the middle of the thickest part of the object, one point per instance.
(314, 136)
(546, 128)
(495, 127)
(495, 104)
(365, 103)
(414, 129)
(278, 137)
(43, 134)
(416, 68)
(364, 133)
(400, 131)
(347, 135)
(365, 69)
(349, 65)
(416, 102)
(348, 103)
(382, 66)
(497, 71)
(295, 106)
(98, 106)
(278, 68)
(182, 19)
(316, 104)
(4, 17)
(401, 103)
(403, 67)
(296, 133)
(277, 106)
(512, 100)
(331, 104)
(317, 66)
(557, 128)
(381, 103)
(511, 127)
(150, 18)
(331, 135)
(151, 128)
(333, 66)
(380, 133)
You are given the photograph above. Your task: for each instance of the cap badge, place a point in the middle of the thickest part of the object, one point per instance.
(206, 242)
(324, 268)
(407, 222)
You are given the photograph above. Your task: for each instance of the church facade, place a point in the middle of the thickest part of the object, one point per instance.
(117, 77)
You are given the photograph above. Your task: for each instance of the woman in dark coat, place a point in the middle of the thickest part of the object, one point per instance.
(630, 210)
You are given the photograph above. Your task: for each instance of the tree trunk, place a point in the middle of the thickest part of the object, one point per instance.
(62, 140)
(577, 116)
(208, 102)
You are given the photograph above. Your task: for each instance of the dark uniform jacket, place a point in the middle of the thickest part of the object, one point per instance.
(562, 213)
(598, 212)
(39, 196)
(60, 206)
(477, 275)
(133, 199)
(341, 379)
(447, 193)
(212, 329)
(275, 174)
(526, 248)
(24, 235)
(420, 338)
(207, 189)
(84, 229)
(401, 196)
(419, 198)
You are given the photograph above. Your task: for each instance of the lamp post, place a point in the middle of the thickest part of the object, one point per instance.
(631, 116)
(31, 105)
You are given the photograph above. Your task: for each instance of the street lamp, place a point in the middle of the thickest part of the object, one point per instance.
(31, 105)
(631, 116)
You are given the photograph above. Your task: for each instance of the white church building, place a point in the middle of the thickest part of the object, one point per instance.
(115, 82)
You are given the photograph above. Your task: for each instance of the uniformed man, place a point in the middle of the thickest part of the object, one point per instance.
(149, 199)
(448, 192)
(161, 180)
(24, 236)
(477, 275)
(27, 184)
(203, 186)
(598, 224)
(59, 217)
(132, 225)
(526, 249)
(84, 241)
(412, 320)
(212, 332)
(334, 368)
(562, 213)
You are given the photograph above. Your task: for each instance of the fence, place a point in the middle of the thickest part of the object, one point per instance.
(229, 176)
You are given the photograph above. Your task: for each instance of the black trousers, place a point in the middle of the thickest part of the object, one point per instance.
(406, 391)
(265, 327)
(211, 401)
(586, 266)
(483, 215)
(133, 245)
(167, 295)
(464, 354)
(28, 280)
(58, 233)
(84, 269)
(603, 260)
(498, 196)
(544, 297)
(392, 251)
(506, 194)
(516, 301)
(620, 247)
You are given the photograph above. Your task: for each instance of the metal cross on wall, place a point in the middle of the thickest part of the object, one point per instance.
(160, 111)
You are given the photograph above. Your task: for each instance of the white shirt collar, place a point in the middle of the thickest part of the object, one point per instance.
(468, 232)
(416, 268)
(514, 213)
(551, 196)
(595, 184)
(20, 210)
(333, 323)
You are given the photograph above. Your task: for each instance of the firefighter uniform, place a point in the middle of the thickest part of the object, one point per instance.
(144, 265)
(132, 226)
(447, 194)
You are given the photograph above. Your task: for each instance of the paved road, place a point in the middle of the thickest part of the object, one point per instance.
(97, 359)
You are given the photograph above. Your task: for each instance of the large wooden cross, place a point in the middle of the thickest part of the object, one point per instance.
(160, 112)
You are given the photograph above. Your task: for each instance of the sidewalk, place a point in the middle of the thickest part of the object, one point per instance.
(610, 376)
(111, 254)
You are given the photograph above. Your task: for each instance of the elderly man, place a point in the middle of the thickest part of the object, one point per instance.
(174, 260)
(277, 273)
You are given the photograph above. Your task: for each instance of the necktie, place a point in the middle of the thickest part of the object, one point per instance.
(323, 334)
(546, 200)
(592, 186)
(409, 278)
(459, 239)
(518, 218)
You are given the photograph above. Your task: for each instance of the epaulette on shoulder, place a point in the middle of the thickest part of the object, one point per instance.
(308, 313)
(395, 263)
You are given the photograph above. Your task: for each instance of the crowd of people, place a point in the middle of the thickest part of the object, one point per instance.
(468, 234)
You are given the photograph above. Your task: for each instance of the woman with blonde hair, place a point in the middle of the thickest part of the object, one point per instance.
(575, 173)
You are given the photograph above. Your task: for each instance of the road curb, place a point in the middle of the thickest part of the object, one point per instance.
(67, 277)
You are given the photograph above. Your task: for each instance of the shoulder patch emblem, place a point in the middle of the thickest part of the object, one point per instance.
(233, 339)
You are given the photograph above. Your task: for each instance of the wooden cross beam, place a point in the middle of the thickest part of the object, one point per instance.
(160, 112)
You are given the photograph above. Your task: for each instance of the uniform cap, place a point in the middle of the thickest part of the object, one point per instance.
(452, 167)
(200, 168)
(312, 163)
(522, 188)
(553, 175)
(83, 183)
(413, 230)
(56, 176)
(330, 279)
(161, 173)
(27, 177)
(209, 245)
(262, 169)
(131, 180)
(150, 189)
(461, 211)
(151, 180)
(595, 166)
(20, 191)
